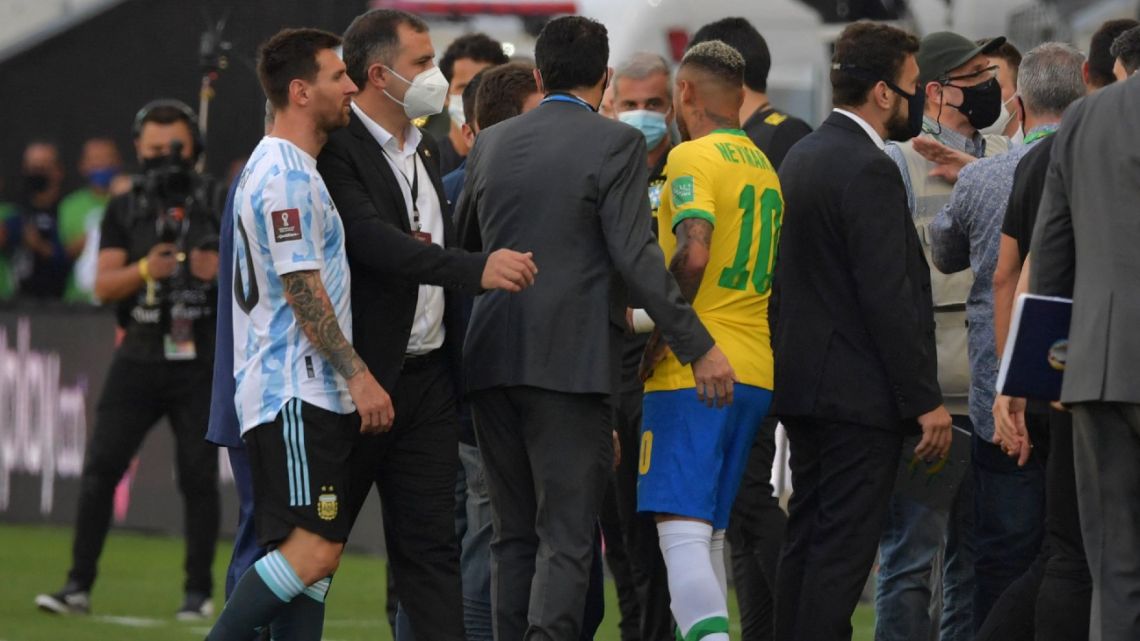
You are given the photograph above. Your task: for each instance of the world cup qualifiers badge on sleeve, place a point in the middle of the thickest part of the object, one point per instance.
(286, 225)
(682, 191)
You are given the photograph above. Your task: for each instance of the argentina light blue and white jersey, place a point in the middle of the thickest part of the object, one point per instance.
(284, 222)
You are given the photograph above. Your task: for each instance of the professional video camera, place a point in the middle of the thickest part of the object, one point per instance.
(167, 187)
(170, 190)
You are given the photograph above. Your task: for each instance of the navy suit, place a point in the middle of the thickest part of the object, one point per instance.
(224, 428)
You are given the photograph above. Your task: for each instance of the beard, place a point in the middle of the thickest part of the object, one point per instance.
(898, 125)
(331, 120)
(682, 127)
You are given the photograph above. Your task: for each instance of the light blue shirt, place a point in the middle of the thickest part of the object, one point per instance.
(966, 233)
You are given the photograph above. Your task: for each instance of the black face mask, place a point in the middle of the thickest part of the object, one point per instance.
(35, 183)
(915, 104)
(981, 104)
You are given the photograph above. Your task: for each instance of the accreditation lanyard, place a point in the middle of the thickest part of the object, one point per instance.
(413, 185)
(565, 97)
(1038, 135)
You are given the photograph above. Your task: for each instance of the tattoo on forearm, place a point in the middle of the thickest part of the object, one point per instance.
(693, 235)
(314, 312)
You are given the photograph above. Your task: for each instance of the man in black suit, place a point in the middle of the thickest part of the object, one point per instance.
(571, 184)
(383, 175)
(853, 332)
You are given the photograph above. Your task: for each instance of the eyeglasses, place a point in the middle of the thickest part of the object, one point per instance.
(989, 73)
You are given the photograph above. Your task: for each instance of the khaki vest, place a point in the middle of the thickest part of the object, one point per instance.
(949, 290)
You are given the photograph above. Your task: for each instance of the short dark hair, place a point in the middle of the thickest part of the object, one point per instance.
(289, 55)
(474, 46)
(1127, 48)
(470, 95)
(502, 92)
(374, 36)
(718, 59)
(572, 52)
(1007, 52)
(739, 34)
(170, 114)
(1101, 60)
(865, 53)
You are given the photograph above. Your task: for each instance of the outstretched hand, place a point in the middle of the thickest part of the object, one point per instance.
(948, 162)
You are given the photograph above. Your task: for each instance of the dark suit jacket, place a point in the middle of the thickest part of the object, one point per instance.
(569, 185)
(1086, 244)
(853, 328)
(386, 262)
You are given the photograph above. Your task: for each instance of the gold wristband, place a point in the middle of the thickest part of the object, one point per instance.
(144, 269)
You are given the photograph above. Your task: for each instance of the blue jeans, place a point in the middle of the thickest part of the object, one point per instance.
(914, 544)
(475, 553)
(925, 583)
(1010, 509)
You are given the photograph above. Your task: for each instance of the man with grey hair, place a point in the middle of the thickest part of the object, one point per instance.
(966, 233)
(643, 99)
(1126, 50)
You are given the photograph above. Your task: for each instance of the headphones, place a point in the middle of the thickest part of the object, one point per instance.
(188, 115)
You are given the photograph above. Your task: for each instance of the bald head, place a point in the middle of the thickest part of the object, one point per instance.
(709, 89)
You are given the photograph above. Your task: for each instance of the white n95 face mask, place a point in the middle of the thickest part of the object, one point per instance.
(455, 110)
(426, 93)
(998, 128)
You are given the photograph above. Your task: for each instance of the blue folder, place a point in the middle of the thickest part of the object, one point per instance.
(1033, 365)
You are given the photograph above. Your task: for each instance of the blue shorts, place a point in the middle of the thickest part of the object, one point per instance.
(693, 456)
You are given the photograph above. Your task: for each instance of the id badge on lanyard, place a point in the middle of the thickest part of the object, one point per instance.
(414, 186)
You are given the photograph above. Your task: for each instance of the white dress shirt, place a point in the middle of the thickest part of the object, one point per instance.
(875, 137)
(427, 327)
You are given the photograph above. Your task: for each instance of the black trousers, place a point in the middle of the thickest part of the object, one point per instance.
(415, 475)
(547, 458)
(621, 567)
(1050, 602)
(756, 534)
(1063, 601)
(136, 395)
(1106, 448)
(647, 566)
(842, 476)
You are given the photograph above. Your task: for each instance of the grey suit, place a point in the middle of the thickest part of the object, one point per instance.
(569, 185)
(1087, 245)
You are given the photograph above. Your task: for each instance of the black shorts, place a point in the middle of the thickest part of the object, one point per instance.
(308, 472)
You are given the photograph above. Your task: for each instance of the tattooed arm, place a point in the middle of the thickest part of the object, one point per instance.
(314, 312)
(694, 236)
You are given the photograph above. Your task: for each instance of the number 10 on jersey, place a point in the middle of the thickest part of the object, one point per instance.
(771, 215)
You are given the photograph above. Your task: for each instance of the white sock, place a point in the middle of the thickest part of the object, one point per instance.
(716, 555)
(698, 604)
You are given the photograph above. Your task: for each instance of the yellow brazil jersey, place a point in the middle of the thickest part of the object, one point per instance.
(725, 179)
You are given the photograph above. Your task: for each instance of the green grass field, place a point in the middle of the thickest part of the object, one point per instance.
(140, 587)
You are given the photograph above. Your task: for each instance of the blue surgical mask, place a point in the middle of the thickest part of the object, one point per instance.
(651, 124)
(101, 178)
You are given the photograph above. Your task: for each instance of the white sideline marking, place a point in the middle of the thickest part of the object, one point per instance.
(131, 622)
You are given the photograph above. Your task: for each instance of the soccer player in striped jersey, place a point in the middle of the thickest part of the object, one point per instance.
(297, 376)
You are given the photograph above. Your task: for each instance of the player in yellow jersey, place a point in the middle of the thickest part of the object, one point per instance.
(718, 225)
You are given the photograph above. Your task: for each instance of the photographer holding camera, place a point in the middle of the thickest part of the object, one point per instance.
(158, 262)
